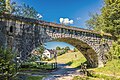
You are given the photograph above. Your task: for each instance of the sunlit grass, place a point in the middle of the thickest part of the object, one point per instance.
(35, 77)
(71, 59)
(77, 63)
(112, 68)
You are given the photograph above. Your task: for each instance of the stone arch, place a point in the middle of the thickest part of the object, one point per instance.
(87, 51)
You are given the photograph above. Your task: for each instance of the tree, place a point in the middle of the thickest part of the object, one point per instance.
(25, 11)
(108, 20)
(5, 6)
(115, 50)
(67, 48)
(111, 17)
(76, 50)
(41, 49)
(2, 6)
(19, 10)
(58, 48)
(62, 48)
(28, 12)
(93, 22)
(38, 55)
(7, 64)
(8, 6)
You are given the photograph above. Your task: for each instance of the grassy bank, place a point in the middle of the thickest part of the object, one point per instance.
(95, 77)
(74, 59)
(112, 68)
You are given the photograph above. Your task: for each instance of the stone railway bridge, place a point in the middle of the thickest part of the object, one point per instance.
(24, 34)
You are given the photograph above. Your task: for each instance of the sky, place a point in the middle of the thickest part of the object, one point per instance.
(69, 12)
(53, 45)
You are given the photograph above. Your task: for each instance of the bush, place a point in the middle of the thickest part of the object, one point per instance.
(34, 65)
(115, 50)
(29, 65)
(7, 64)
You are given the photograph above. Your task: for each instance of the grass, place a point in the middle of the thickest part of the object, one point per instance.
(70, 59)
(95, 77)
(112, 68)
(105, 77)
(77, 63)
(35, 77)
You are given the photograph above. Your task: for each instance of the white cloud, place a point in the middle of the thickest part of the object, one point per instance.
(71, 21)
(79, 18)
(66, 21)
(61, 20)
(39, 16)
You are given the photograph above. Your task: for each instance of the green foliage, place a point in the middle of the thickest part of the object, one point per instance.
(29, 65)
(2, 6)
(111, 15)
(108, 20)
(38, 55)
(77, 63)
(7, 64)
(25, 11)
(76, 50)
(19, 10)
(96, 77)
(33, 58)
(67, 48)
(105, 77)
(111, 67)
(34, 77)
(93, 21)
(71, 60)
(115, 50)
(58, 48)
(41, 49)
(35, 65)
(6, 7)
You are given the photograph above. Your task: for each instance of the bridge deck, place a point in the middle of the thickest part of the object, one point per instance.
(45, 23)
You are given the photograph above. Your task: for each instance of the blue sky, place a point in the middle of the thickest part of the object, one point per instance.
(53, 45)
(76, 10)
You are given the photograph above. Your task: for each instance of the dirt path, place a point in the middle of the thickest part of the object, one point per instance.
(64, 72)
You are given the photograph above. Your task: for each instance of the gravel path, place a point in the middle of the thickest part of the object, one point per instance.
(63, 73)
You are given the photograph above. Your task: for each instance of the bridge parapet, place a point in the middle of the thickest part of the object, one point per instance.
(22, 20)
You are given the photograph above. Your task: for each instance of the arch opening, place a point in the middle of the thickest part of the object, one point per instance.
(87, 51)
(67, 54)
